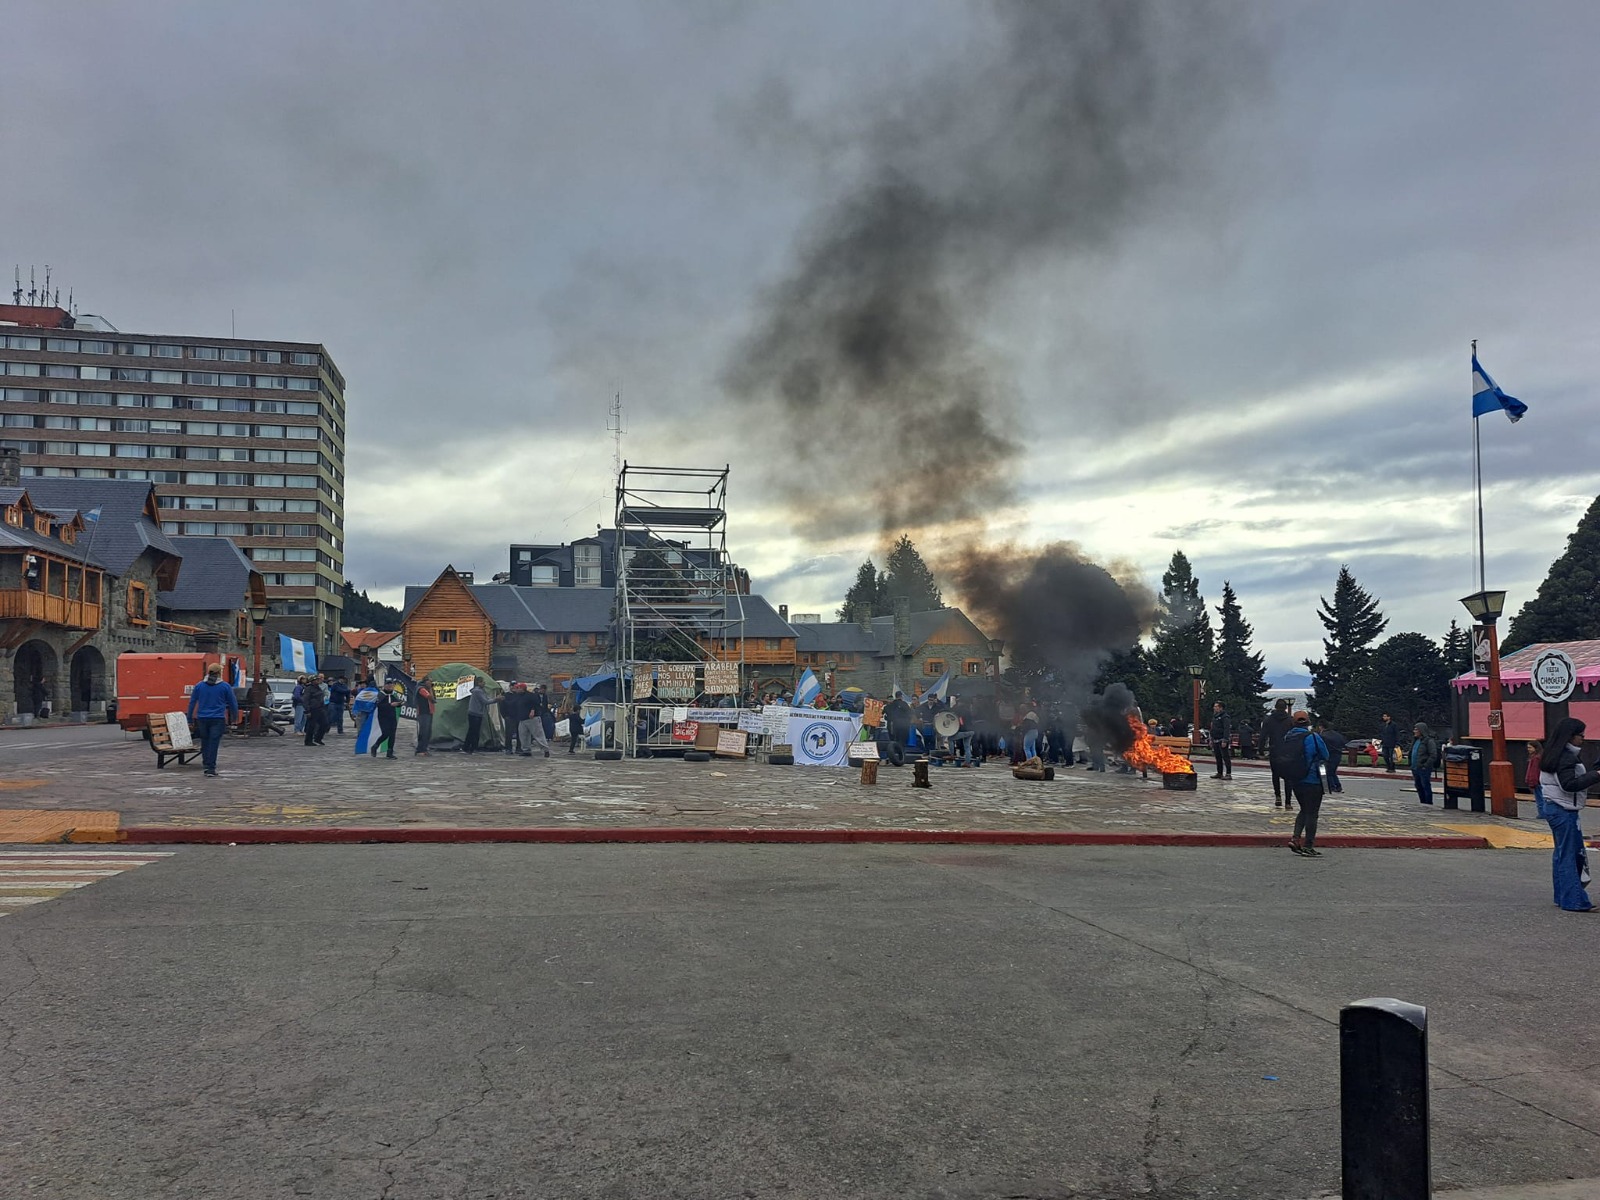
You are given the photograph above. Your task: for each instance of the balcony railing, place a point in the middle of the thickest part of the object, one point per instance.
(26, 604)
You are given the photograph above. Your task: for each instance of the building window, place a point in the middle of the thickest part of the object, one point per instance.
(586, 566)
(447, 637)
(138, 604)
(544, 575)
(506, 637)
(241, 627)
(973, 666)
(934, 666)
(773, 643)
(562, 639)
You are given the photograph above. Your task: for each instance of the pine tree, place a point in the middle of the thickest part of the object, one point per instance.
(1407, 677)
(359, 612)
(905, 574)
(1241, 674)
(862, 598)
(1183, 638)
(1567, 605)
(1353, 623)
(1457, 649)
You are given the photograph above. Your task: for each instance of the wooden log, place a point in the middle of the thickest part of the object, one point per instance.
(869, 771)
(919, 774)
(1029, 770)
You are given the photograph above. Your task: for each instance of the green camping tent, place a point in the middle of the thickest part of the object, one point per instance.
(450, 714)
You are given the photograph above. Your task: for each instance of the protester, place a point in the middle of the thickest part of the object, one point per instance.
(338, 702)
(517, 710)
(212, 705)
(1389, 736)
(1308, 786)
(1277, 723)
(478, 702)
(1563, 780)
(424, 718)
(390, 700)
(1247, 740)
(1336, 743)
(1424, 758)
(1221, 741)
(897, 716)
(542, 724)
(299, 698)
(1530, 775)
(574, 718)
(1178, 727)
(1030, 734)
(316, 724)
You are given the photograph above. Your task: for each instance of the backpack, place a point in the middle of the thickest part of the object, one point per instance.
(1288, 753)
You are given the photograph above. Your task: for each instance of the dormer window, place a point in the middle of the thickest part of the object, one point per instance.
(69, 535)
(14, 515)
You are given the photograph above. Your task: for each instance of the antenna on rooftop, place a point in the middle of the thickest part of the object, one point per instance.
(33, 289)
(16, 291)
(44, 296)
(614, 425)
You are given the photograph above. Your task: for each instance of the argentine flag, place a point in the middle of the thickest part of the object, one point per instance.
(807, 690)
(937, 691)
(1487, 396)
(299, 657)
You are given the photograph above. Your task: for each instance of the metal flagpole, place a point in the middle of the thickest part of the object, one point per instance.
(1477, 474)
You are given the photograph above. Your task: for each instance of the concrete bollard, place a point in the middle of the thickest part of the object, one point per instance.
(1383, 1100)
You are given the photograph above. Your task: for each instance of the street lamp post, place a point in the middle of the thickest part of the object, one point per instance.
(258, 688)
(1486, 608)
(1195, 672)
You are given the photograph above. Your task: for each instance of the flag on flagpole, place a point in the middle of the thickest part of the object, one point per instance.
(807, 690)
(236, 673)
(93, 514)
(937, 691)
(1487, 396)
(296, 656)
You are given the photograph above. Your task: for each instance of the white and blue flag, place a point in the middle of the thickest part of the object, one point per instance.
(807, 690)
(1487, 396)
(937, 691)
(93, 514)
(299, 657)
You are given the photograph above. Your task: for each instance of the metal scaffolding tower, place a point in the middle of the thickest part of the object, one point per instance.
(679, 604)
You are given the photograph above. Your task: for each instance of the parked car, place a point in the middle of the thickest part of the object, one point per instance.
(281, 698)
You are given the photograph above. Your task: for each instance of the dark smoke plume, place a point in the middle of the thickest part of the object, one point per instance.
(1106, 717)
(866, 370)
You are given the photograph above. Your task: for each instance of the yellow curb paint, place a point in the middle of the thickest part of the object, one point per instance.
(40, 826)
(18, 785)
(1502, 838)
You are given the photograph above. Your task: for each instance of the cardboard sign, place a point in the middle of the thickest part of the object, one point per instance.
(714, 716)
(685, 731)
(752, 722)
(464, 687)
(178, 732)
(731, 743)
(775, 722)
(722, 678)
(865, 751)
(644, 684)
(872, 713)
(675, 681)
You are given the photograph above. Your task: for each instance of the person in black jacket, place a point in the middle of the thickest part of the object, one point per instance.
(1221, 741)
(1277, 724)
(1336, 743)
(316, 717)
(390, 700)
(897, 715)
(1389, 739)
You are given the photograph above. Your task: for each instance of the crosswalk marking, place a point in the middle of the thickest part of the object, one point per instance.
(29, 877)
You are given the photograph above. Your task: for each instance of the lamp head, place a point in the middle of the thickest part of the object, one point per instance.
(1485, 607)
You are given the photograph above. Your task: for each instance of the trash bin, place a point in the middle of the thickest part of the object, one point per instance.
(1463, 777)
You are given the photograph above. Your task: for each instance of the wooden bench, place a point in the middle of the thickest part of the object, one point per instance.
(1178, 745)
(161, 743)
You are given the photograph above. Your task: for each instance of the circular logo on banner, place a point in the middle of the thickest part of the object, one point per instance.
(820, 741)
(1553, 676)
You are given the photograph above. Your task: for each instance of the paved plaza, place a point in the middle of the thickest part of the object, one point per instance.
(280, 783)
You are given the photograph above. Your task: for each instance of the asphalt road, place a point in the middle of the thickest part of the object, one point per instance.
(28, 746)
(756, 1021)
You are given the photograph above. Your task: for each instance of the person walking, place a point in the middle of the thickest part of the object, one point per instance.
(1563, 780)
(299, 698)
(1389, 737)
(338, 702)
(478, 701)
(388, 712)
(574, 720)
(535, 728)
(316, 726)
(1424, 758)
(424, 717)
(212, 705)
(545, 715)
(1221, 741)
(1336, 742)
(518, 710)
(1307, 787)
(1277, 723)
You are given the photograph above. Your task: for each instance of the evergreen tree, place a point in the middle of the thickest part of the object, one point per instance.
(1353, 623)
(1241, 674)
(359, 612)
(1457, 649)
(1567, 605)
(1406, 676)
(862, 598)
(1182, 638)
(905, 574)
(1127, 667)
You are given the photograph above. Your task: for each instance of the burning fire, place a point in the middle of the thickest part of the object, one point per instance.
(1145, 753)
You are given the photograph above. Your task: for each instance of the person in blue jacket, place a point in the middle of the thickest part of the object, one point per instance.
(1307, 788)
(212, 706)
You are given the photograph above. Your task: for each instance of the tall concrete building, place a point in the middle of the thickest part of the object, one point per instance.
(242, 439)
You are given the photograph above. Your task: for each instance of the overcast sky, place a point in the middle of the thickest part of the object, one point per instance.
(497, 215)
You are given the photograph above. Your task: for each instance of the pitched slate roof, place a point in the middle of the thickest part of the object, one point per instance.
(505, 606)
(760, 618)
(832, 637)
(124, 530)
(570, 610)
(214, 577)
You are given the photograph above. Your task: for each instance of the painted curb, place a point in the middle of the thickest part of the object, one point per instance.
(264, 835)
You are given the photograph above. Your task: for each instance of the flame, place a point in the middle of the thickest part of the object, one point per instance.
(1145, 753)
